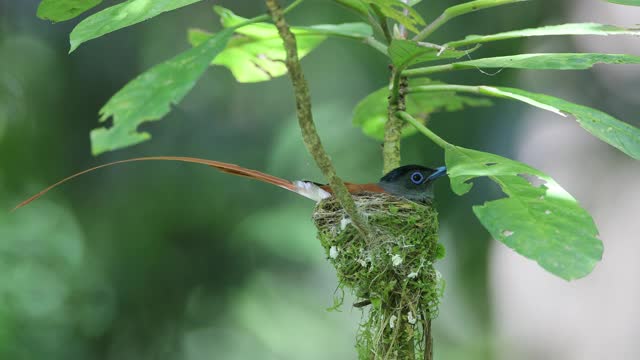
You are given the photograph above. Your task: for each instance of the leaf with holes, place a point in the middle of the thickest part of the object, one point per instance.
(149, 96)
(371, 113)
(404, 53)
(256, 53)
(400, 12)
(120, 16)
(543, 223)
(605, 127)
(62, 10)
(552, 30)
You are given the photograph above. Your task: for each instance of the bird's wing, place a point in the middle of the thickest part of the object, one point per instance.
(357, 188)
(304, 188)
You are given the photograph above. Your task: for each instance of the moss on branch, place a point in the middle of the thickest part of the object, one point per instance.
(394, 124)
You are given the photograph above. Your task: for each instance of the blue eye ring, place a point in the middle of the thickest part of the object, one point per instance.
(417, 178)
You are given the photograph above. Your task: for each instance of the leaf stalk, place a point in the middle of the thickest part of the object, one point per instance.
(458, 10)
(423, 129)
(428, 70)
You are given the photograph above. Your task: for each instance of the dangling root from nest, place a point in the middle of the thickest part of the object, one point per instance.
(393, 272)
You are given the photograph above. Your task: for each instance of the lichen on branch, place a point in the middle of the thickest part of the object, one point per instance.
(394, 124)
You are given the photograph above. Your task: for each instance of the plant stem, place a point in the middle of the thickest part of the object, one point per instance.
(393, 126)
(384, 26)
(445, 87)
(429, 29)
(423, 129)
(428, 70)
(457, 10)
(428, 338)
(265, 17)
(401, 28)
(305, 120)
(376, 45)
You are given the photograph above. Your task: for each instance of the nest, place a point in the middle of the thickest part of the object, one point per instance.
(391, 274)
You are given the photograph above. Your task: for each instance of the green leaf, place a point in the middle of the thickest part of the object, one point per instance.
(622, 136)
(120, 16)
(543, 223)
(476, 5)
(458, 10)
(404, 53)
(149, 96)
(564, 29)
(347, 30)
(568, 61)
(61, 10)
(257, 54)
(395, 10)
(626, 2)
(371, 113)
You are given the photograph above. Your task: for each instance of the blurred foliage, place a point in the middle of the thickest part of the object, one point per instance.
(164, 261)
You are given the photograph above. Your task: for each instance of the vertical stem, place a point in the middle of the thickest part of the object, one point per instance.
(394, 124)
(384, 26)
(403, 30)
(305, 120)
(428, 338)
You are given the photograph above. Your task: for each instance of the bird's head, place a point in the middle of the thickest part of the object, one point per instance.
(413, 182)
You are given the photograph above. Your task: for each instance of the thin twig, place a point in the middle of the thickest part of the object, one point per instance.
(458, 10)
(429, 29)
(423, 129)
(371, 41)
(428, 338)
(305, 120)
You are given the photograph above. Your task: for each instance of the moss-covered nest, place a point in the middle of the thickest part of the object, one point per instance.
(391, 274)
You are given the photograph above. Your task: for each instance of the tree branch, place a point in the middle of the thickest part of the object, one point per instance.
(305, 120)
(393, 126)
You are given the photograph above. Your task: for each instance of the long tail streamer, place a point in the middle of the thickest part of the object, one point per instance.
(222, 166)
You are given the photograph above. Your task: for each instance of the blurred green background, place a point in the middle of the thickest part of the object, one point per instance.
(176, 261)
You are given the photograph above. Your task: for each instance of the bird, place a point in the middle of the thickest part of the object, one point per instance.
(412, 182)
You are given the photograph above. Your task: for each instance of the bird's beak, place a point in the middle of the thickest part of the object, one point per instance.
(441, 171)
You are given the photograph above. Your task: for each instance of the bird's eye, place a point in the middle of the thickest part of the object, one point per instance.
(417, 177)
